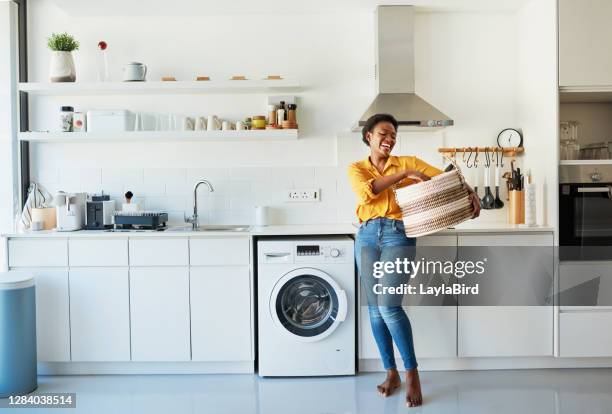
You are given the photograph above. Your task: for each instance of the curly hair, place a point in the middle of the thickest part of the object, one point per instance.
(375, 120)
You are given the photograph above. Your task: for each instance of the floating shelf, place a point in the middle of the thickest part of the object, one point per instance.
(158, 87)
(585, 162)
(161, 136)
(585, 94)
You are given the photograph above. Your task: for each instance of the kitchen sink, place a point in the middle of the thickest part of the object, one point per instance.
(213, 227)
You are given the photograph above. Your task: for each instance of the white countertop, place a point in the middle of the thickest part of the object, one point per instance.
(471, 226)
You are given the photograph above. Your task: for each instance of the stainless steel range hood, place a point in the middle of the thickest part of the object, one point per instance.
(395, 73)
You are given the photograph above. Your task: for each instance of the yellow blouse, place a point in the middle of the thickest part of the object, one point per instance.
(383, 204)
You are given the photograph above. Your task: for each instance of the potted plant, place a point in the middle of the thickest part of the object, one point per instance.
(62, 64)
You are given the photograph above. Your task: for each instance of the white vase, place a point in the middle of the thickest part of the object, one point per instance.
(62, 68)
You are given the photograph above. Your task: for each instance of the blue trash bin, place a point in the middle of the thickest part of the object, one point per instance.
(17, 334)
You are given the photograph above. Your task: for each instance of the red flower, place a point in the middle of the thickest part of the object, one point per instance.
(102, 45)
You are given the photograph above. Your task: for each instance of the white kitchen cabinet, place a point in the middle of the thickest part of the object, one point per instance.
(52, 314)
(25, 252)
(219, 251)
(584, 42)
(99, 314)
(585, 333)
(159, 304)
(97, 252)
(221, 313)
(156, 251)
(434, 328)
(494, 331)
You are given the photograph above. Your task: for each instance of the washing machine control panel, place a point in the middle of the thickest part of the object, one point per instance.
(319, 253)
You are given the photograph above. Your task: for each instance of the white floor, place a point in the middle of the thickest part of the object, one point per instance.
(534, 391)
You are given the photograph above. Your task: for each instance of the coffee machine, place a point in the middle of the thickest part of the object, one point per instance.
(70, 210)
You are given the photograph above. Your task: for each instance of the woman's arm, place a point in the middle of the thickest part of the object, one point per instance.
(381, 184)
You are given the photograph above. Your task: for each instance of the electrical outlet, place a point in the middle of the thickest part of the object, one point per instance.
(303, 195)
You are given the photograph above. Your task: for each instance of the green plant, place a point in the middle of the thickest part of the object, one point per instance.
(62, 42)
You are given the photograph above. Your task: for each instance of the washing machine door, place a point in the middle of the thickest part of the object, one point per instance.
(307, 304)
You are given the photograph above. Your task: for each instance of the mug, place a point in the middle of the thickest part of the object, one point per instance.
(213, 123)
(226, 126)
(188, 124)
(200, 124)
(134, 72)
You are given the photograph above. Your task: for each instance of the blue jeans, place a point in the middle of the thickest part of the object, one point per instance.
(389, 323)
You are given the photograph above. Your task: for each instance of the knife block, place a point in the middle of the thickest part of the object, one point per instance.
(516, 207)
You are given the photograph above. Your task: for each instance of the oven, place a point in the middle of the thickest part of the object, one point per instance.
(585, 221)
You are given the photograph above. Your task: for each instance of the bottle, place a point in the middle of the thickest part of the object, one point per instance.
(272, 115)
(280, 113)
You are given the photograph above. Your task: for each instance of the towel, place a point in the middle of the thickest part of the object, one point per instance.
(38, 197)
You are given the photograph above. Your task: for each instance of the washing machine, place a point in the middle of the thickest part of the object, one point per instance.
(306, 306)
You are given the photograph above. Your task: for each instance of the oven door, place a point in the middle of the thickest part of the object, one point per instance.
(585, 221)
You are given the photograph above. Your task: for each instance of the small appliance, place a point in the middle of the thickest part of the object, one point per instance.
(306, 306)
(100, 212)
(146, 220)
(70, 210)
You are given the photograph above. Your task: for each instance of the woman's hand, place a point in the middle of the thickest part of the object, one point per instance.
(475, 200)
(416, 175)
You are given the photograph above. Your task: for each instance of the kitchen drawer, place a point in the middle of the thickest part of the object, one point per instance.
(585, 284)
(98, 252)
(215, 251)
(159, 252)
(517, 240)
(38, 252)
(585, 334)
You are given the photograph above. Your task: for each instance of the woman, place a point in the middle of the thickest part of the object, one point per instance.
(373, 180)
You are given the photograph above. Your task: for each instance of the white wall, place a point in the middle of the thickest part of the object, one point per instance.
(462, 67)
(538, 101)
(8, 43)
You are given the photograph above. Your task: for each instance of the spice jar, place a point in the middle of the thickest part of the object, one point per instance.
(259, 122)
(66, 113)
(271, 114)
(292, 113)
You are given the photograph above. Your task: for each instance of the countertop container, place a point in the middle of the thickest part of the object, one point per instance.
(17, 334)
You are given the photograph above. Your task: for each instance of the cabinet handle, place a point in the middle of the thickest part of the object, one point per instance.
(277, 254)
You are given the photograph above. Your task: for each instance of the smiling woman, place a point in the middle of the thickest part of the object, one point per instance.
(373, 181)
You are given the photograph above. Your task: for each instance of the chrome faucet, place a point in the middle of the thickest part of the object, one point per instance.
(194, 219)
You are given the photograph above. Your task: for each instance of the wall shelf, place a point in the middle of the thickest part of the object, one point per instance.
(161, 136)
(159, 87)
(585, 162)
(585, 94)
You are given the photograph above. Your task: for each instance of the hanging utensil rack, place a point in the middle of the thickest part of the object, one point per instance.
(511, 152)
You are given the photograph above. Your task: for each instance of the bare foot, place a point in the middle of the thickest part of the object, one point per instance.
(391, 383)
(414, 398)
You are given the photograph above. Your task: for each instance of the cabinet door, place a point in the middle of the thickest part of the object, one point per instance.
(434, 322)
(159, 303)
(221, 313)
(584, 42)
(489, 331)
(99, 314)
(52, 314)
(434, 330)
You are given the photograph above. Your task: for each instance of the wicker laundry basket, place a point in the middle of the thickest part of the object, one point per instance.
(435, 205)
